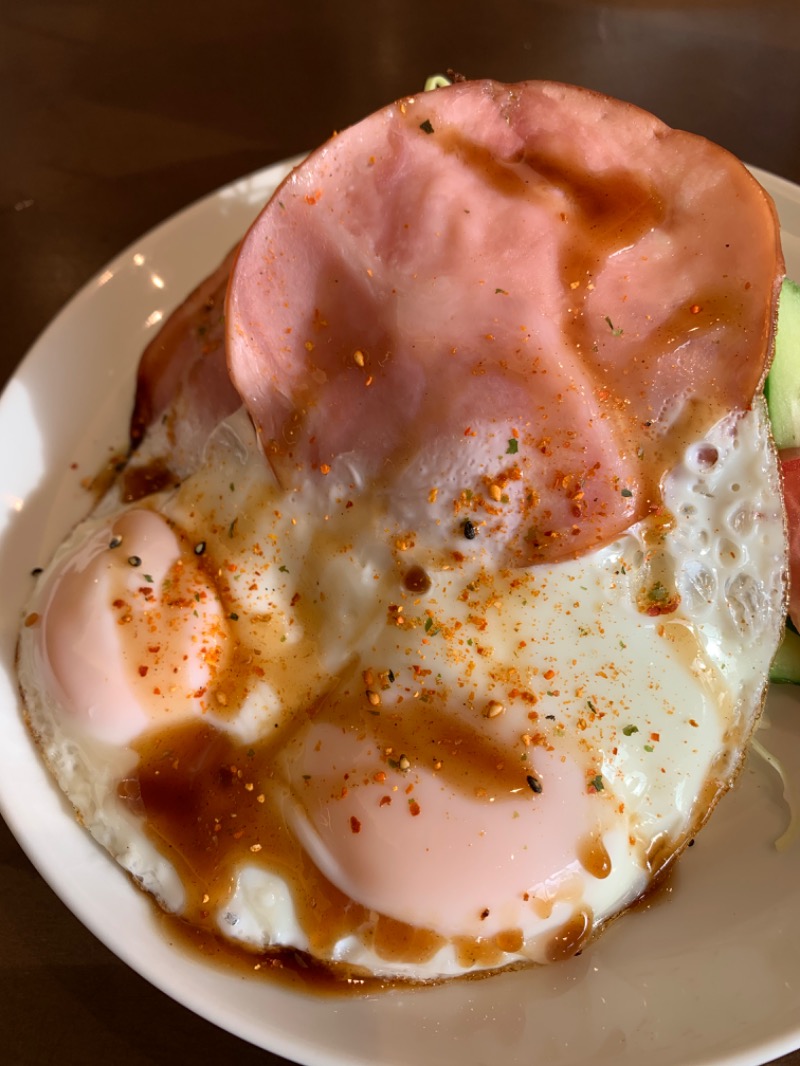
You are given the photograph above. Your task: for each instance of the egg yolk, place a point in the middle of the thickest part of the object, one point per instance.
(133, 631)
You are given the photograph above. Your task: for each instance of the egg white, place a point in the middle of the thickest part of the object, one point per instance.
(648, 712)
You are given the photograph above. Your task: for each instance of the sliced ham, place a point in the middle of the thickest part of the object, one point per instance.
(183, 374)
(508, 304)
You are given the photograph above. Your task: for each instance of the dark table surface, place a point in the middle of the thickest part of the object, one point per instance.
(116, 113)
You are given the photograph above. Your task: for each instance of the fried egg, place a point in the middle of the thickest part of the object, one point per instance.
(297, 727)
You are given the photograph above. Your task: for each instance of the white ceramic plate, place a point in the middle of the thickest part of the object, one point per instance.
(708, 974)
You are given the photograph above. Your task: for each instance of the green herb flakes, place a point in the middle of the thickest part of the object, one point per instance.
(616, 332)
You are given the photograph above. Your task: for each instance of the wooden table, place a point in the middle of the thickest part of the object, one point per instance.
(115, 113)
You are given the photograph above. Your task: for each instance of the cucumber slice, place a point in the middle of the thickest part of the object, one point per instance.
(785, 669)
(783, 384)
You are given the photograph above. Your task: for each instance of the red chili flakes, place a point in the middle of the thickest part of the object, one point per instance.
(654, 610)
(385, 801)
(548, 675)
(655, 736)
(413, 808)
(355, 825)
(657, 600)
(143, 671)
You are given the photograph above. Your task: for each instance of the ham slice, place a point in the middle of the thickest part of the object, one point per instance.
(508, 305)
(183, 375)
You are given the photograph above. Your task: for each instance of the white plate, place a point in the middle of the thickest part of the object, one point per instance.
(707, 975)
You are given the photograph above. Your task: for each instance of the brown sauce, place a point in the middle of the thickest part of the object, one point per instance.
(212, 805)
(486, 951)
(101, 482)
(429, 732)
(293, 969)
(571, 938)
(416, 579)
(140, 481)
(396, 941)
(300, 971)
(594, 857)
